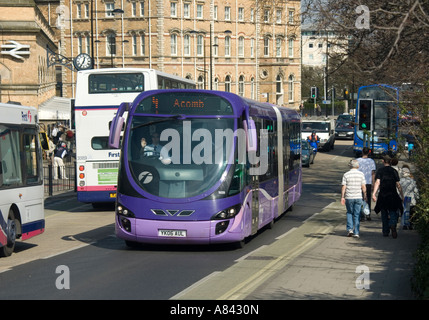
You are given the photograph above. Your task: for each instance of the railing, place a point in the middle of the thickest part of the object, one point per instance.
(61, 184)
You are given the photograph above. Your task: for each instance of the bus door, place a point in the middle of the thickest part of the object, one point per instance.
(255, 202)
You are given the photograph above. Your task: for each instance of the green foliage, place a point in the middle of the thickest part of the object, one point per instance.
(420, 282)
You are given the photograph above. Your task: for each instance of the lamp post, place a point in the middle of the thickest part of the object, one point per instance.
(211, 53)
(114, 11)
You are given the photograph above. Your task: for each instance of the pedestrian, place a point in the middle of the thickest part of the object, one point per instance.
(411, 194)
(301, 109)
(60, 153)
(318, 110)
(388, 201)
(313, 140)
(352, 191)
(368, 168)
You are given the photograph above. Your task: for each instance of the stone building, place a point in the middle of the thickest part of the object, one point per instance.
(248, 47)
(24, 73)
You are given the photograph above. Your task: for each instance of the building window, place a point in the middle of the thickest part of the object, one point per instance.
(240, 14)
(252, 88)
(227, 13)
(279, 16)
(133, 9)
(79, 45)
(200, 45)
(241, 86)
(252, 47)
(79, 11)
(266, 15)
(186, 10)
(173, 9)
(252, 15)
(111, 44)
(200, 82)
(142, 9)
(88, 43)
(215, 12)
(278, 47)
(291, 14)
(227, 46)
(216, 84)
(266, 46)
(142, 45)
(110, 6)
(134, 44)
(186, 45)
(290, 89)
(199, 11)
(227, 84)
(241, 46)
(279, 87)
(173, 44)
(290, 47)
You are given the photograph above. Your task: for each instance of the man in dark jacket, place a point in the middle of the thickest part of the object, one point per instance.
(388, 202)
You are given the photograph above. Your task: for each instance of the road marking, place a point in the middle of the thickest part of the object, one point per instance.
(246, 287)
(250, 253)
(68, 250)
(286, 233)
(196, 284)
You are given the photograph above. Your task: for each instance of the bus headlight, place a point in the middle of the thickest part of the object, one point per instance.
(122, 211)
(228, 213)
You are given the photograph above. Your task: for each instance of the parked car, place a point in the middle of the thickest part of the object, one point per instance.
(345, 117)
(307, 154)
(344, 130)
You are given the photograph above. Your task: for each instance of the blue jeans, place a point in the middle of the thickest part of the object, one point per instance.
(353, 207)
(389, 219)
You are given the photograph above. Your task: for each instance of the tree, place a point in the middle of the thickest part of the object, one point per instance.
(388, 42)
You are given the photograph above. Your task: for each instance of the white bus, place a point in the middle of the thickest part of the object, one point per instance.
(99, 92)
(21, 176)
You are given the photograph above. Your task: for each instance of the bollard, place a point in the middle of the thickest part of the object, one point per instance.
(50, 180)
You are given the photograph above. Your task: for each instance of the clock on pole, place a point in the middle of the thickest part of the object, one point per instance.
(83, 61)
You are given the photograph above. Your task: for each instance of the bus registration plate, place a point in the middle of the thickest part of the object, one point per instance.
(172, 233)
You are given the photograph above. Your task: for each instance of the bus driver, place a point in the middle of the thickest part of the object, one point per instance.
(154, 149)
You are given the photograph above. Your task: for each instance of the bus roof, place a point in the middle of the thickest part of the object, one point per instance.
(17, 114)
(240, 103)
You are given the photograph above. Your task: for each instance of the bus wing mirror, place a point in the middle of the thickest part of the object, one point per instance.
(251, 136)
(116, 126)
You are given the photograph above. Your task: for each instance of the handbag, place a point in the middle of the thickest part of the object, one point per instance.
(365, 208)
(406, 215)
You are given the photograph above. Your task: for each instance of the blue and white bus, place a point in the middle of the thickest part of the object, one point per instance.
(99, 93)
(21, 176)
(228, 167)
(381, 135)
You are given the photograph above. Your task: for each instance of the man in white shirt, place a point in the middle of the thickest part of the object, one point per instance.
(368, 168)
(155, 149)
(353, 186)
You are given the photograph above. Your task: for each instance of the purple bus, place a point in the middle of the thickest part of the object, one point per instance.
(203, 167)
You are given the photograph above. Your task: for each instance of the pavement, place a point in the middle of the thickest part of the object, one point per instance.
(372, 267)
